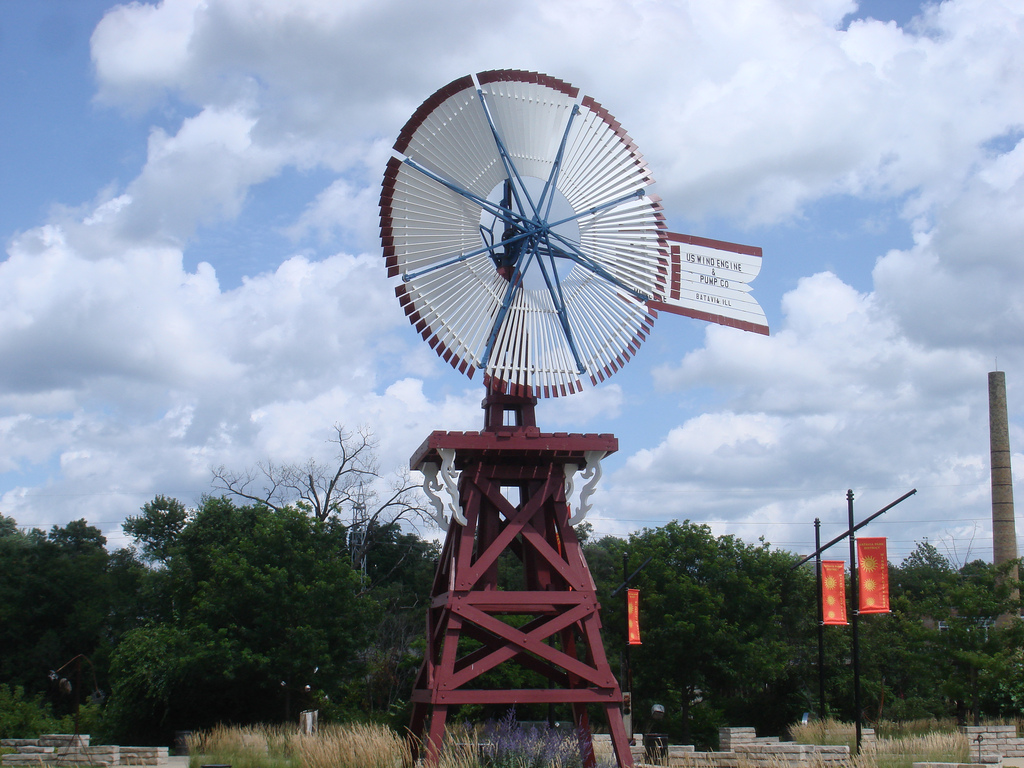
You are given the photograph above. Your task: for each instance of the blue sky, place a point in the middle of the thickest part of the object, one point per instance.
(191, 276)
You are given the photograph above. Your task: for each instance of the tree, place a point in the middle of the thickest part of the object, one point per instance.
(8, 526)
(973, 640)
(55, 597)
(346, 489)
(723, 626)
(397, 575)
(265, 603)
(902, 668)
(940, 651)
(158, 527)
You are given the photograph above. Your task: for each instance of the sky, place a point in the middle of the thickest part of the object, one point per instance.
(192, 276)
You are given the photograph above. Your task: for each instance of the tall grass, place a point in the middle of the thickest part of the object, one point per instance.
(507, 745)
(896, 745)
(260, 746)
(825, 732)
(904, 751)
(355, 745)
(335, 746)
(893, 730)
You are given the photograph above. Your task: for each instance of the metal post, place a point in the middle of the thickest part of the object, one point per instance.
(78, 687)
(855, 589)
(627, 672)
(627, 677)
(821, 621)
(855, 610)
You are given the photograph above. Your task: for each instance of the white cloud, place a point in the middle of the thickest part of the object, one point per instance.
(343, 209)
(837, 398)
(139, 46)
(127, 374)
(139, 376)
(957, 285)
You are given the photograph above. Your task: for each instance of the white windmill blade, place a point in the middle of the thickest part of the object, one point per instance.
(565, 294)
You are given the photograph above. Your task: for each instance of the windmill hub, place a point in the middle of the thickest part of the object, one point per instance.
(537, 240)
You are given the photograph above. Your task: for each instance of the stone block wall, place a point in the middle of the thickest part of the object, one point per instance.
(144, 755)
(791, 754)
(68, 749)
(995, 739)
(743, 746)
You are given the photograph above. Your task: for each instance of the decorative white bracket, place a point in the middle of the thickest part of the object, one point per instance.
(450, 480)
(592, 474)
(451, 483)
(431, 485)
(570, 471)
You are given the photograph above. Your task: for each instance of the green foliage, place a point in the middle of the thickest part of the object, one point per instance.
(261, 602)
(56, 593)
(249, 614)
(724, 626)
(23, 717)
(158, 527)
(939, 653)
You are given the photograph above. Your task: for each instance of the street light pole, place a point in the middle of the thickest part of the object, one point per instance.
(627, 673)
(821, 622)
(855, 610)
(627, 677)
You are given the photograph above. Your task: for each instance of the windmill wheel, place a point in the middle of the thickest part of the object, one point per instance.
(517, 215)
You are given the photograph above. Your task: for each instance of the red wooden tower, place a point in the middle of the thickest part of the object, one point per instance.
(512, 494)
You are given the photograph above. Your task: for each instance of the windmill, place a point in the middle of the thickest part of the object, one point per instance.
(516, 215)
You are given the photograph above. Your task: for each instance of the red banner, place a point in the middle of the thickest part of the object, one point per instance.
(873, 575)
(633, 615)
(833, 592)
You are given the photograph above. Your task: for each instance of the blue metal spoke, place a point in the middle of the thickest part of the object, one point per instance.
(602, 207)
(408, 276)
(506, 159)
(487, 205)
(558, 300)
(574, 254)
(556, 166)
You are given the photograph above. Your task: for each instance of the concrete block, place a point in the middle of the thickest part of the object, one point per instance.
(680, 749)
(64, 740)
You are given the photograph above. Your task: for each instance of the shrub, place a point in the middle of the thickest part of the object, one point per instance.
(24, 718)
(507, 743)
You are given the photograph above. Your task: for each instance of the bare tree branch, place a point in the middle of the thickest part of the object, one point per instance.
(346, 489)
(240, 483)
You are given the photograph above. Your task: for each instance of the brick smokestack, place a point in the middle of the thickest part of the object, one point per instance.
(1004, 533)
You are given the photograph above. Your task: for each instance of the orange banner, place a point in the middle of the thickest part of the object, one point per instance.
(833, 592)
(873, 575)
(633, 615)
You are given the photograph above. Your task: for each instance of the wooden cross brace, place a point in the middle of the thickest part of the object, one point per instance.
(559, 637)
